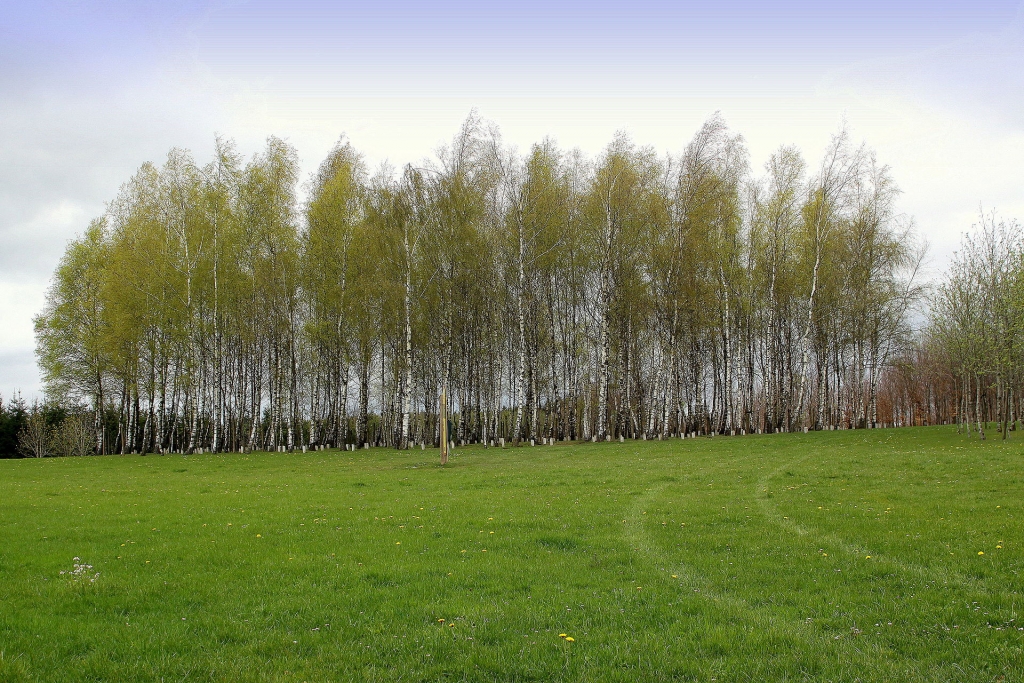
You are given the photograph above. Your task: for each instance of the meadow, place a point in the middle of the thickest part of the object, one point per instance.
(883, 555)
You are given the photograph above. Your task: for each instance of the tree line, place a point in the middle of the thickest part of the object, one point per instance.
(966, 365)
(38, 430)
(553, 296)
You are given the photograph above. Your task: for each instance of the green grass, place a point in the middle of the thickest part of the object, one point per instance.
(730, 559)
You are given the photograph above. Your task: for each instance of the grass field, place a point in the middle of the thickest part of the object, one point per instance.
(842, 556)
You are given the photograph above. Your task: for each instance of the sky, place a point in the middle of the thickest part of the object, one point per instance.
(89, 91)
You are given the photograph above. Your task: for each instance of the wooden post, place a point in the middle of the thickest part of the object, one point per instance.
(443, 416)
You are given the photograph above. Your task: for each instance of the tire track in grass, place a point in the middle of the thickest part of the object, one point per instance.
(833, 540)
(737, 608)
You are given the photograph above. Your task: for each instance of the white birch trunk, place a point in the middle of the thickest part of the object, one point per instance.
(804, 348)
(605, 340)
(407, 389)
(520, 393)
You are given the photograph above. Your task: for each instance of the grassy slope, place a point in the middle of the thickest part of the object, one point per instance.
(729, 558)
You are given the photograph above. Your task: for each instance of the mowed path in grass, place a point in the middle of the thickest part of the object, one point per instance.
(743, 558)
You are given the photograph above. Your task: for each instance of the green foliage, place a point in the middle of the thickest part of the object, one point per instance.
(13, 414)
(44, 429)
(977, 326)
(73, 331)
(554, 297)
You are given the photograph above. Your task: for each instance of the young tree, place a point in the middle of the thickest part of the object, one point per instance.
(34, 439)
(72, 332)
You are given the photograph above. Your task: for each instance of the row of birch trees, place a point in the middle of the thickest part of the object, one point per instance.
(553, 296)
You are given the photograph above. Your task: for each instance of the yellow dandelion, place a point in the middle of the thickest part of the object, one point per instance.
(398, 543)
(562, 635)
(868, 557)
(570, 639)
(484, 550)
(825, 554)
(259, 535)
(674, 576)
(998, 547)
(440, 621)
(981, 552)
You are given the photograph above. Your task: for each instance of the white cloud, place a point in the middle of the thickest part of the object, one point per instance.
(947, 119)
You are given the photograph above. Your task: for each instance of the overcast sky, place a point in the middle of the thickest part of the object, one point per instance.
(91, 90)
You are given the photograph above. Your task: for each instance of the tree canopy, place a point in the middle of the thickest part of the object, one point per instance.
(554, 296)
